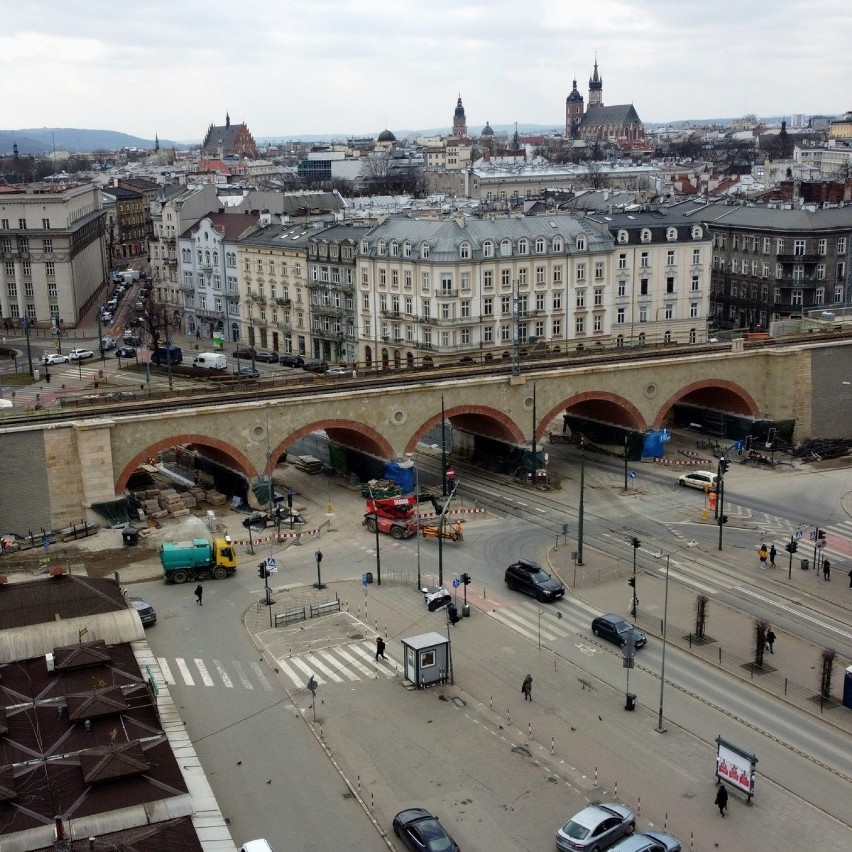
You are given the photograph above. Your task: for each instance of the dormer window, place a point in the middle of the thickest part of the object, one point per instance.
(488, 249)
(424, 250)
(645, 236)
(623, 237)
(523, 246)
(394, 248)
(406, 249)
(505, 248)
(697, 233)
(365, 247)
(464, 251)
(671, 234)
(381, 248)
(582, 245)
(540, 245)
(557, 244)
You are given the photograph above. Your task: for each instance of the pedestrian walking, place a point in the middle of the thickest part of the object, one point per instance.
(826, 570)
(763, 554)
(198, 333)
(772, 554)
(198, 594)
(721, 799)
(850, 578)
(770, 641)
(380, 648)
(47, 376)
(526, 688)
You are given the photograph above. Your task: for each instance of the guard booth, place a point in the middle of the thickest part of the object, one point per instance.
(427, 659)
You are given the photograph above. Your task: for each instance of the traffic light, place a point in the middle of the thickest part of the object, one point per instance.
(261, 571)
(723, 465)
(465, 578)
(791, 547)
(820, 534)
(723, 519)
(631, 581)
(635, 542)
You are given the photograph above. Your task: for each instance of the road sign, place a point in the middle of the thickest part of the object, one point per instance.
(456, 583)
(271, 565)
(813, 535)
(364, 581)
(633, 474)
(798, 535)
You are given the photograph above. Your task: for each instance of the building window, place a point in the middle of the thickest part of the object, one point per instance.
(796, 297)
(820, 271)
(643, 313)
(619, 316)
(557, 328)
(540, 302)
(424, 282)
(841, 269)
(779, 246)
(841, 245)
(464, 251)
(581, 271)
(622, 261)
(670, 284)
(695, 283)
(819, 295)
(671, 235)
(670, 258)
(838, 295)
(622, 237)
(523, 246)
(50, 268)
(424, 251)
(645, 236)
(539, 275)
(599, 270)
(643, 287)
(696, 257)
(540, 245)
(581, 298)
(488, 334)
(557, 300)
(557, 274)
(505, 305)
(598, 297)
(798, 247)
(621, 292)
(767, 245)
(488, 249)
(822, 247)
(645, 260)
(488, 280)
(581, 243)
(556, 245)
(668, 313)
(505, 248)
(580, 325)
(488, 306)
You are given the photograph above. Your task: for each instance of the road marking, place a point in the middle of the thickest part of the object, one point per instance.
(202, 670)
(184, 670)
(247, 684)
(352, 661)
(545, 633)
(332, 676)
(166, 671)
(798, 613)
(223, 674)
(500, 616)
(337, 664)
(588, 650)
(307, 669)
(288, 670)
(261, 676)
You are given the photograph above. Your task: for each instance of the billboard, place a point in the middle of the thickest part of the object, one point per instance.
(735, 766)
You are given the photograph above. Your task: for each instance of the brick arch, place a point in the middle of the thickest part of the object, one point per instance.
(379, 441)
(753, 409)
(239, 457)
(508, 428)
(592, 396)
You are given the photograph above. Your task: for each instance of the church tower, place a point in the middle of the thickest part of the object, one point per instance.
(459, 120)
(595, 88)
(573, 113)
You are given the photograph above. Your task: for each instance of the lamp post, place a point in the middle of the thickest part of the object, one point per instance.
(660, 727)
(582, 499)
(417, 494)
(25, 321)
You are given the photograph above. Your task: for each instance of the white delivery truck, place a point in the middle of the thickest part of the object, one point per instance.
(210, 361)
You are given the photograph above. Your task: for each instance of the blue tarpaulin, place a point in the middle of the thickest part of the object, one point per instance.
(654, 445)
(402, 473)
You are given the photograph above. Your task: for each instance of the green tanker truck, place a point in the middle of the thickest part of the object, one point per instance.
(198, 559)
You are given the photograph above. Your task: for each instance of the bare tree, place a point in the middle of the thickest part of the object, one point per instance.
(826, 671)
(595, 174)
(702, 605)
(761, 628)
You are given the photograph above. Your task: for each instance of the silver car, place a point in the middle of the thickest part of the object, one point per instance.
(596, 827)
(706, 480)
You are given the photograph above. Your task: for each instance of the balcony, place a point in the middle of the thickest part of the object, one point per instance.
(285, 326)
(446, 294)
(808, 283)
(257, 297)
(800, 258)
(327, 310)
(187, 288)
(280, 300)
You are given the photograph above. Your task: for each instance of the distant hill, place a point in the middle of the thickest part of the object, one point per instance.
(44, 140)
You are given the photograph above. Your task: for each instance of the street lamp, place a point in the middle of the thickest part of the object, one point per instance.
(582, 498)
(417, 494)
(660, 727)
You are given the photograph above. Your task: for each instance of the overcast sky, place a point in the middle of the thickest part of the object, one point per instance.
(298, 67)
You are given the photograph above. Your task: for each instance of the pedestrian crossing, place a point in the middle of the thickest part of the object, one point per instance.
(339, 664)
(545, 622)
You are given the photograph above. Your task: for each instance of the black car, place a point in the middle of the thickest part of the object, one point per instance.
(529, 577)
(125, 352)
(147, 613)
(267, 356)
(290, 360)
(245, 352)
(132, 340)
(315, 365)
(616, 629)
(421, 832)
(247, 373)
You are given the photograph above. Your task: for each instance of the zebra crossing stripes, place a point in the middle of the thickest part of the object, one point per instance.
(337, 664)
(227, 674)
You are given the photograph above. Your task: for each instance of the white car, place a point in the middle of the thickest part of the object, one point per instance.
(55, 358)
(80, 354)
(703, 479)
(338, 371)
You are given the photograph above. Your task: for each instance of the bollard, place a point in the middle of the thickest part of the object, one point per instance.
(666, 822)
(552, 749)
(692, 840)
(386, 631)
(529, 729)
(491, 702)
(508, 720)
(372, 801)
(596, 776)
(359, 783)
(639, 805)
(616, 789)
(377, 625)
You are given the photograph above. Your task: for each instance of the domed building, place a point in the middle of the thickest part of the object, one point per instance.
(385, 140)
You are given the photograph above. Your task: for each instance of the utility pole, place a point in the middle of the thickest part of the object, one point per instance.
(443, 450)
(582, 507)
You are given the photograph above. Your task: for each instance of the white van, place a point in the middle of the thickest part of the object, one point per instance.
(210, 361)
(256, 846)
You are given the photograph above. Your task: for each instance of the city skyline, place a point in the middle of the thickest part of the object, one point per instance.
(332, 67)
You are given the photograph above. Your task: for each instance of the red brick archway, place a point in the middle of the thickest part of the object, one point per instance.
(240, 459)
(505, 428)
(632, 416)
(733, 391)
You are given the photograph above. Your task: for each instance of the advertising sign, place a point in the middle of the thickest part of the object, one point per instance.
(735, 766)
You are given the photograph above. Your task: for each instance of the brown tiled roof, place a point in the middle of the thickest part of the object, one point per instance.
(111, 762)
(68, 596)
(83, 656)
(174, 835)
(95, 705)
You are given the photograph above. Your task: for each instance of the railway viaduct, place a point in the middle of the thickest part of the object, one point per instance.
(55, 469)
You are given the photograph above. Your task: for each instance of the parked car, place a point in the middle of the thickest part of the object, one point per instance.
(267, 356)
(290, 360)
(247, 373)
(649, 841)
(529, 577)
(338, 371)
(107, 343)
(55, 358)
(422, 832)
(125, 352)
(703, 479)
(147, 613)
(596, 827)
(132, 340)
(80, 354)
(245, 352)
(315, 365)
(436, 597)
(616, 629)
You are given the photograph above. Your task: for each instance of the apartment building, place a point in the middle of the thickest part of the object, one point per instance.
(53, 251)
(771, 263)
(462, 287)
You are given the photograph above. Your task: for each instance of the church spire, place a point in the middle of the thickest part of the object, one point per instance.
(459, 119)
(595, 87)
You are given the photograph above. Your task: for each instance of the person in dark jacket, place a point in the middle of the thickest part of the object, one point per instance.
(770, 641)
(199, 591)
(380, 648)
(526, 688)
(721, 800)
